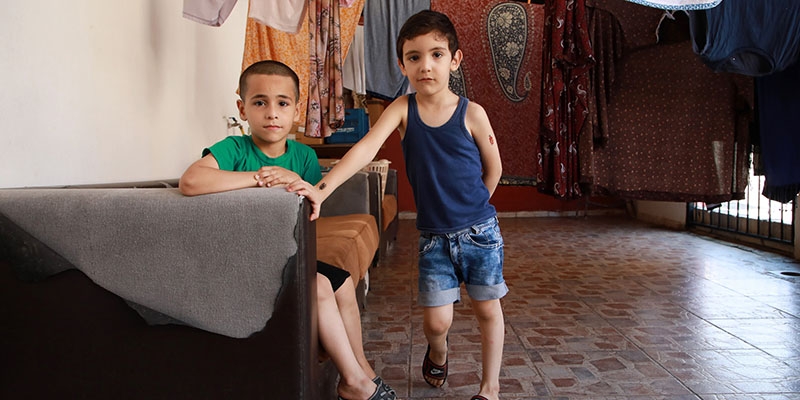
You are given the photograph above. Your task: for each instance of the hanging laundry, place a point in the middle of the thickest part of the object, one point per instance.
(325, 101)
(266, 43)
(208, 12)
(779, 129)
(382, 22)
(568, 59)
(353, 73)
(754, 38)
(284, 15)
(677, 130)
(679, 4)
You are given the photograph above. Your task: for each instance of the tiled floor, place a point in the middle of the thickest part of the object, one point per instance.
(605, 308)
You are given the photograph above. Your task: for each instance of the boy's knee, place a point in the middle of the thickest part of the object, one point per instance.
(488, 311)
(438, 328)
(437, 323)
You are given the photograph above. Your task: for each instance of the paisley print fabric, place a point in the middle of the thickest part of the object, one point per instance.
(507, 28)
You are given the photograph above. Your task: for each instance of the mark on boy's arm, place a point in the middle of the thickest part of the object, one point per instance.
(323, 186)
(491, 140)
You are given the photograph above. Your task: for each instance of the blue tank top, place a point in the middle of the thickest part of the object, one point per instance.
(444, 167)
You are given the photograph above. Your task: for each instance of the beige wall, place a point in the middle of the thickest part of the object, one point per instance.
(671, 215)
(108, 91)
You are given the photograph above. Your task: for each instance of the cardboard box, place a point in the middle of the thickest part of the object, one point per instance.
(299, 135)
(374, 109)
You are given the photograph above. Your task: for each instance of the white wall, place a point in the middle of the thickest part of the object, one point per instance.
(95, 91)
(669, 214)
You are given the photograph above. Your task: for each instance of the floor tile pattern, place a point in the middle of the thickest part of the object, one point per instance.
(605, 308)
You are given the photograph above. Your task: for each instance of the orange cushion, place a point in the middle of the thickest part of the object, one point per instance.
(348, 242)
(389, 210)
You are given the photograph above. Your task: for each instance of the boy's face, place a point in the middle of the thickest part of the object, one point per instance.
(427, 62)
(269, 107)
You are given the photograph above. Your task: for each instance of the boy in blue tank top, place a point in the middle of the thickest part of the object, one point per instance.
(269, 92)
(453, 164)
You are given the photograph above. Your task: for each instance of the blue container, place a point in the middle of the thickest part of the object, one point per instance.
(356, 125)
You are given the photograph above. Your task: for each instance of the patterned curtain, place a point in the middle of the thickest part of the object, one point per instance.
(567, 62)
(675, 130)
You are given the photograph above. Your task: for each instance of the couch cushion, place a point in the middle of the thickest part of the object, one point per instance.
(389, 211)
(348, 242)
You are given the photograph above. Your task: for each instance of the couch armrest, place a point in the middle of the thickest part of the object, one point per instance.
(87, 342)
(214, 262)
(164, 183)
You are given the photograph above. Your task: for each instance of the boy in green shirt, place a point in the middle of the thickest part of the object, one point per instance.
(269, 92)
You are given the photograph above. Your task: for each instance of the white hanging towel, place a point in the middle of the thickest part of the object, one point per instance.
(353, 73)
(284, 15)
(208, 12)
(680, 4)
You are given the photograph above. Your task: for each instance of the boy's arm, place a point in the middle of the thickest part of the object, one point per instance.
(481, 129)
(204, 176)
(356, 158)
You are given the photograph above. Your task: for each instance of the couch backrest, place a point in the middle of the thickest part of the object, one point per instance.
(358, 195)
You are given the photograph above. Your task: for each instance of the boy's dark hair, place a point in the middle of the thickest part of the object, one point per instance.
(268, 67)
(424, 22)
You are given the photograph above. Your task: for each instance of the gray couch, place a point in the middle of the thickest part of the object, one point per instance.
(111, 292)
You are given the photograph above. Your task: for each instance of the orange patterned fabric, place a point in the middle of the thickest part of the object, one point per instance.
(265, 43)
(389, 208)
(348, 242)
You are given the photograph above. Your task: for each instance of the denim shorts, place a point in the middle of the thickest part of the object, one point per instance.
(473, 256)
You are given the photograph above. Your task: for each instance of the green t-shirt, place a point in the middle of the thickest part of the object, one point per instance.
(239, 153)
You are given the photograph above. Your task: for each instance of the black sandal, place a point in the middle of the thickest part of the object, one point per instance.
(433, 372)
(382, 391)
(381, 384)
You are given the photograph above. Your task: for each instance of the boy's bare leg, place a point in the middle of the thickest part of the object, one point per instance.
(436, 324)
(353, 382)
(491, 322)
(351, 317)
